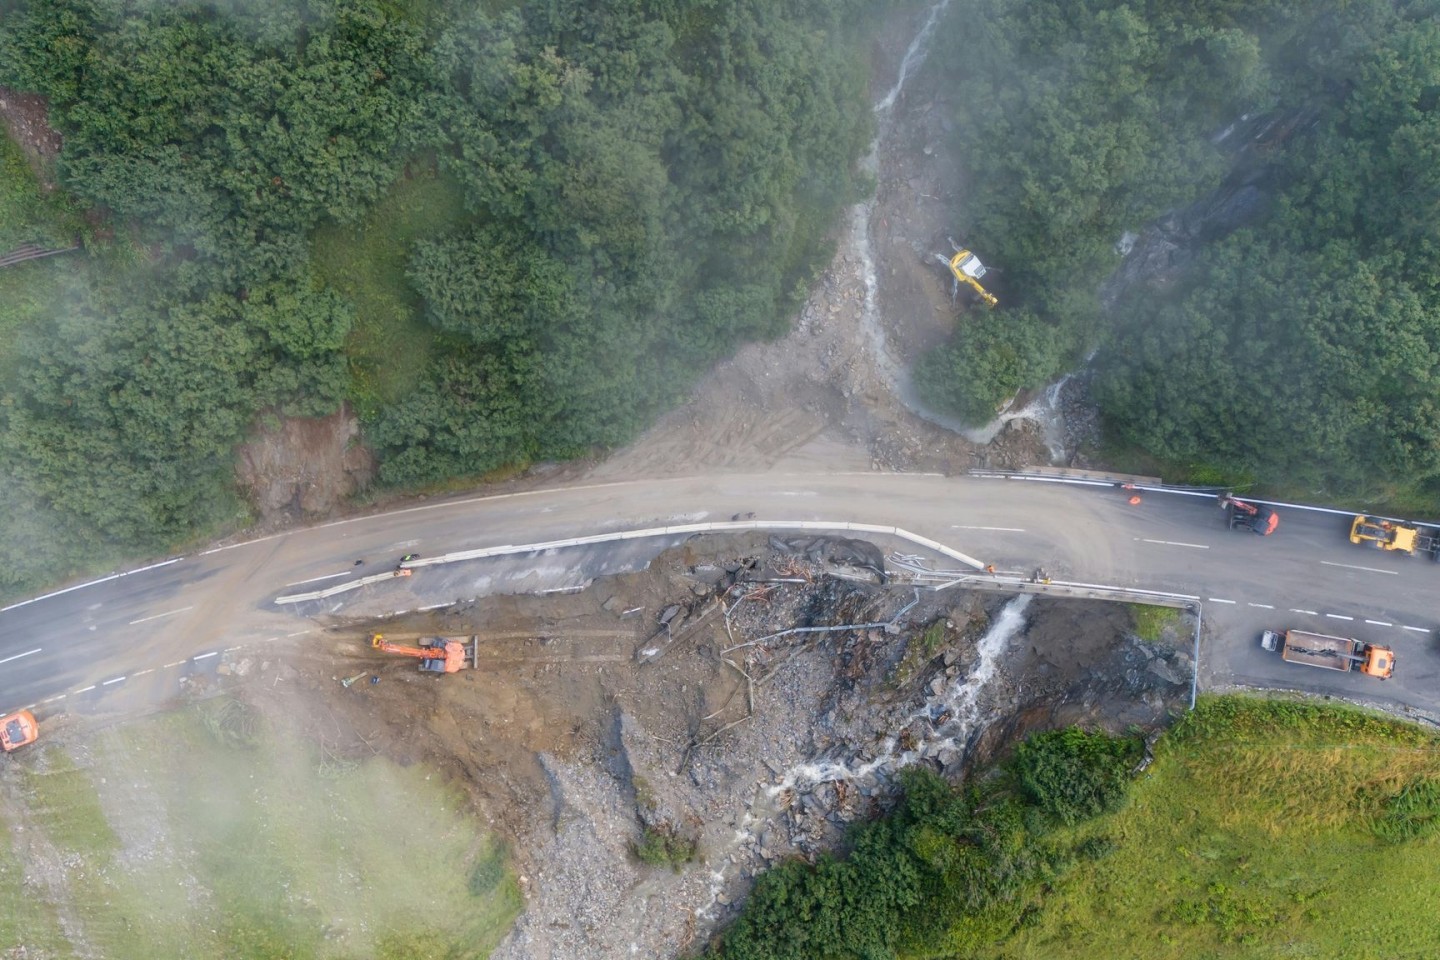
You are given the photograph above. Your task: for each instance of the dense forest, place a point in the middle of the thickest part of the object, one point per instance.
(629, 189)
(1297, 343)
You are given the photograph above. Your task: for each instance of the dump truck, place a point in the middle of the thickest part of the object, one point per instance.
(1331, 653)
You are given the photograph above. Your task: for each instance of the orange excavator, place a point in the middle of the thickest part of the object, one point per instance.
(436, 654)
(18, 729)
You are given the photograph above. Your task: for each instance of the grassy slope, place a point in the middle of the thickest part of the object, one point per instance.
(1250, 837)
(177, 845)
(366, 263)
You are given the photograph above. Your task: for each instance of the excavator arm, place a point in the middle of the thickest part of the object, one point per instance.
(440, 656)
(967, 269)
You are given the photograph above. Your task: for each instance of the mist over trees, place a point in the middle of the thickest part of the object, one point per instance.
(646, 184)
(1300, 349)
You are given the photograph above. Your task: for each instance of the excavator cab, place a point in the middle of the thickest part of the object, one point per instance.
(18, 729)
(966, 268)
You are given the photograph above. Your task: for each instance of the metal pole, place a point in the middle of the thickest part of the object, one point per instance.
(1195, 672)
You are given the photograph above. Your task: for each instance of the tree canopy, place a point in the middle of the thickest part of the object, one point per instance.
(1297, 350)
(646, 184)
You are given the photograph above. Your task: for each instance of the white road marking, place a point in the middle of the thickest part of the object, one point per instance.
(1351, 566)
(434, 606)
(1381, 623)
(231, 649)
(93, 583)
(1418, 629)
(1176, 543)
(175, 664)
(108, 682)
(53, 699)
(1262, 606)
(299, 633)
(159, 615)
(19, 655)
(1308, 613)
(328, 576)
(1219, 600)
(956, 526)
(141, 673)
(1338, 616)
(86, 689)
(203, 656)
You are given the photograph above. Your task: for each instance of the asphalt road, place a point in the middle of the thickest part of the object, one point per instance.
(117, 643)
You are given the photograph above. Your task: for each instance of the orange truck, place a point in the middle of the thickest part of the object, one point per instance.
(18, 729)
(1331, 653)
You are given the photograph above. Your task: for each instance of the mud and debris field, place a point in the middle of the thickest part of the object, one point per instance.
(683, 701)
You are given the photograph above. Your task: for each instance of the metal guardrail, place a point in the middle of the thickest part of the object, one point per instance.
(683, 529)
(1090, 478)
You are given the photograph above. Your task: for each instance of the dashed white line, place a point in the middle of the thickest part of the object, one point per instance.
(1351, 566)
(435, 606)
(232, 649)
(175, 664)
(1418, 629)
(159, 616)
(116, 680)
(1308, 613)
(141, 673)
(86, 689)
(299, 633)
(1338, 616)
(1380, 623)
(1176, 543)
(1221, 600)
(53, 699)
(956, 526)
(328, 576)
(203, 656)
(1262, 606)
(19, 655)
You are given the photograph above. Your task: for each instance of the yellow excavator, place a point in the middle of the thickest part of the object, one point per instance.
(967, 269)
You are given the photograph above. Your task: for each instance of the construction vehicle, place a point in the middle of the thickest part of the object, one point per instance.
(1255, 517)
(436, 654)
(18, 729)
(1389, 535)
(1331, 653)
(966, 268)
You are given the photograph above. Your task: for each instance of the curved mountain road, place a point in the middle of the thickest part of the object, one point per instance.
(122, 642)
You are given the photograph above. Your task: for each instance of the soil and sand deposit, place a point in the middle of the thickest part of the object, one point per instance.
(674, 699)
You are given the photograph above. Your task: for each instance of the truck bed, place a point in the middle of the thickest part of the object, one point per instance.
(1318, 650)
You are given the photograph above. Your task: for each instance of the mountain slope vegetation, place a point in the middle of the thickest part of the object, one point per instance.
(1303, 319)
(640, 186)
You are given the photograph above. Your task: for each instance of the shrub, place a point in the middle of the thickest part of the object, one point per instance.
(664, 845)
(1073, 775)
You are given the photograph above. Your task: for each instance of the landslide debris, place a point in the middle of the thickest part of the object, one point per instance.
(703, 708)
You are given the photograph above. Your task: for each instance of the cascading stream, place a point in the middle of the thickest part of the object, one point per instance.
(1044, 409)
(959, 704)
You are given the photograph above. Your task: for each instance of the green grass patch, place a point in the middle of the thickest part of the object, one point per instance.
(207, 833)
(366, 262)
(27, 213)
(25, 918)
(1150, 622)
(1254, 834)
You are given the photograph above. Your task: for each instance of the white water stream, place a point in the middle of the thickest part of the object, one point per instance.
(958, 705)
(954, 712)
(1045, 408)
